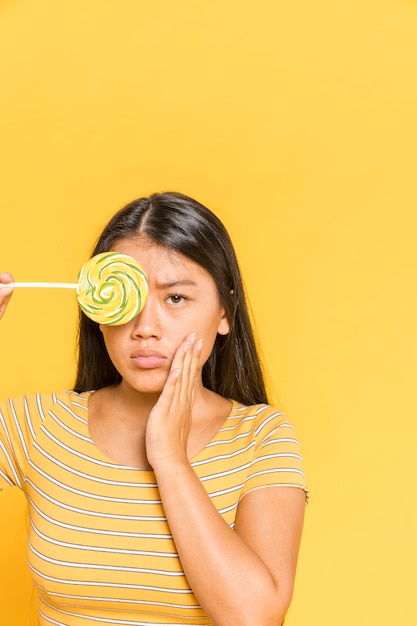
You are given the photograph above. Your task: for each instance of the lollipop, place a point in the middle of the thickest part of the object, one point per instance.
(112, 288)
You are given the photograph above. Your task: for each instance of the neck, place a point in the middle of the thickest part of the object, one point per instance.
(135, 405)
(131, 404)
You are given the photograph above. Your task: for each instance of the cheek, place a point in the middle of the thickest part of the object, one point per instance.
(209, 335)
(113, 340)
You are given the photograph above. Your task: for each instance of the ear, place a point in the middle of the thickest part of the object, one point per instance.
(224, 326)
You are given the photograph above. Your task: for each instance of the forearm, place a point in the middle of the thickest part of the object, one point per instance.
(229, 579)
(241, 576)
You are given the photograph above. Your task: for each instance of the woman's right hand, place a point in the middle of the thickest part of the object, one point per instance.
(5, 293)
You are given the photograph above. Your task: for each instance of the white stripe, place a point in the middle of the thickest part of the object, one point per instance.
(266, 421)
(28, 418)
(80, 455)
(19, 430)
(50, 620)
(72, 470)
(6, 478)
(234, 470)
(271, 434)
(87, 494)
(214, 494)
(288, 470)
(93, 513)
(65, 406)
(232, 507)
(39, 404)
(277, 455)
(100, 599)
(111, 568)
(220, 442)
(67, 428)
(283, 440)
(101, 619)
(239, 421)
(223, 456)
(76, 546)
(95, 531)
(89, 583)
(80, 406)
(11, 466)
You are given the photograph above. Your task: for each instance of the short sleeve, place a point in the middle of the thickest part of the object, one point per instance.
(277, 458)
(19, 421)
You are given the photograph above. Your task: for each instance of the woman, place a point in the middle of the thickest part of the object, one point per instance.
(163, 489)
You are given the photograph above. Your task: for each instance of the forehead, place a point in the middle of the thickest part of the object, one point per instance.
(163, 264)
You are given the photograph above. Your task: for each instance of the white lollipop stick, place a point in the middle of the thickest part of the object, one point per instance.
(53, 285)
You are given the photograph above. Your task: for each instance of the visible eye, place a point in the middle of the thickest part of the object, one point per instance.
(176, 299)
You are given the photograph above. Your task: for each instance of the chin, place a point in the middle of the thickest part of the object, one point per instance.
(146, 385)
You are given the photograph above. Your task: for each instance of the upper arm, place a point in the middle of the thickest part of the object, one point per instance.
(19, 421)
(270, 521)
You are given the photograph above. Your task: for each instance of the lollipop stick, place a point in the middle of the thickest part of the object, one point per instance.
(52, 285)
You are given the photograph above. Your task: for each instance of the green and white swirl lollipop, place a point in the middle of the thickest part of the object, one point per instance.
(112, 288)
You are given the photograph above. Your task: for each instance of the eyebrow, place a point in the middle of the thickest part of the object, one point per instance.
(177, 283)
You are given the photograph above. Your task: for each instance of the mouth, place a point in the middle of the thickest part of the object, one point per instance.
(147, 359)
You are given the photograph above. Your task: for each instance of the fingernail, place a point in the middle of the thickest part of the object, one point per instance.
(192, 337)
(199, 345)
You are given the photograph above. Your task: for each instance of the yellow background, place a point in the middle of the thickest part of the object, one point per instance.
(296, 123)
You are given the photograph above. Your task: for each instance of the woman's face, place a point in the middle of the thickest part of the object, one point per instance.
(182, 299)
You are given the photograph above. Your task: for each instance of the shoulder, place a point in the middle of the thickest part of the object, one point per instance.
(32, 409)
(261, 418)
(256, 409)
(277, 459)
(23, 420)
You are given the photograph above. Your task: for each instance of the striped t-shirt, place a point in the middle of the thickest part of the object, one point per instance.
(100, 549)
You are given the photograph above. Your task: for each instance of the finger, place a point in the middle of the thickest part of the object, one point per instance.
(187, 367)
(180, 354)
(181, 361)
(194, 365)
(5, 292)
(168, 392)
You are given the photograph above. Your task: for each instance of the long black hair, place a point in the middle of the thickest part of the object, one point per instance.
(177, 222)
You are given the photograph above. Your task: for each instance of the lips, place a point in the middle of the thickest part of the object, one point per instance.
(146, 358)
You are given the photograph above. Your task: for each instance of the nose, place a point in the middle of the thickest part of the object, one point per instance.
(147, 323)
